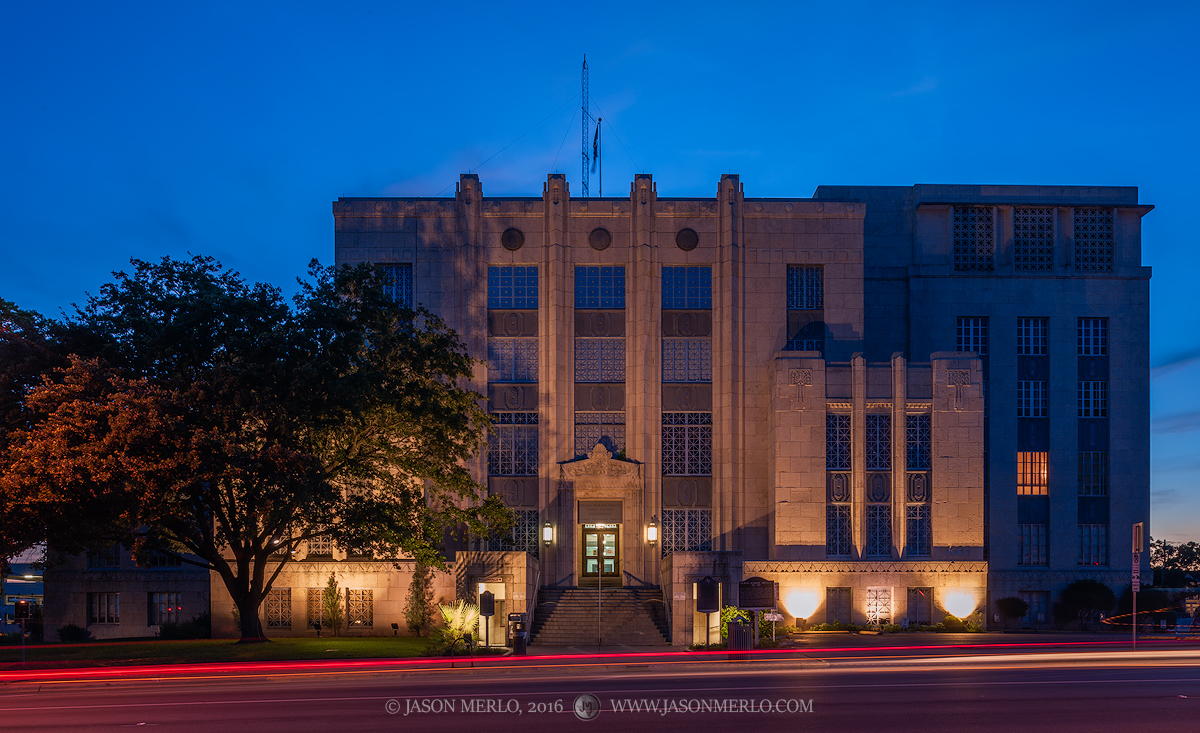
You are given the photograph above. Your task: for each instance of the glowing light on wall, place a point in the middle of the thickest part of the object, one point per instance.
(801, 603)
(959, 603)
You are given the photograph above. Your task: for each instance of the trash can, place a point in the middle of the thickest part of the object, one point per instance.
(520, 639)
(741, 636)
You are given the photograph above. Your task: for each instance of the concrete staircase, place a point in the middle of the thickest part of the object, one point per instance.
(630, 617)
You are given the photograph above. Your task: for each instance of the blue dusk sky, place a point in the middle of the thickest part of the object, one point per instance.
(151, 129)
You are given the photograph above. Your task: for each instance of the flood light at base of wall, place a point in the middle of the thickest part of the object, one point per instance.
(801, 603)
(959, 603)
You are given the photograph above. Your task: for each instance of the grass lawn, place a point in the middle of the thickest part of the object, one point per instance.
(154, 651)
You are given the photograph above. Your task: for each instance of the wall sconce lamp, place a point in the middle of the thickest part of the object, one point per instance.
(547, 534)
(652, 532)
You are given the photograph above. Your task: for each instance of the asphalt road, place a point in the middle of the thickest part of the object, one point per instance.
(1064, 692)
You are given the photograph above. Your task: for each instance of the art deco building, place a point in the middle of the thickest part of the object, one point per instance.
(894, 401)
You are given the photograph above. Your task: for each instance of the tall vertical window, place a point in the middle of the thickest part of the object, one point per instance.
(1093, 544)
(523, 537)
(512, 360)
(104, 608)
(360, 608)
(1093, 240)
(397, 282)
(1033, 238)
(279, 608)
(686, 530)
(686, 288)
(917, 442)
(837, 442)
(1032, 474)
(1039, 606)
(1093, 473)
(805, 288)
(879, 530)
(109, 557)
(599, 286)
(1031, 337)
(687, 359)
(920, 532)
(512, 287)
(974, 240)
(1031, 544)
(973, 334)
(606, 428)
(513, 445)
(1031, 398)
(1093, 337)
(1093, 398)
(687, 443)
(162, 608)
(879, 442)
(599, 359)
(837, 530)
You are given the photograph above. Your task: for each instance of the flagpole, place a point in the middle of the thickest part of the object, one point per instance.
(599, 160)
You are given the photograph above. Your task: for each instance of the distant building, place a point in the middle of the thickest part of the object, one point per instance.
(23, 583)
(897, 402)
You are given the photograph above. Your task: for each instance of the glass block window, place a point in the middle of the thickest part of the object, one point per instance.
(522, 538)
(398, 282)
(1093, 473)
(837, 530)
(279, 608)
(1093, 398)
(974, 243)
(687, 288)
(837, 442)
(1093, 240)
(1093, 544)
(316, 608)
(1093, 337)
(1033, 238)
(879, 530)
(1031, 336)
(879, 606)
(109, 557)
(687, 443)
(686, 530)
(1032, 473)
(1031, 544)
(805, 288)
(687, 360)
(599, 287)
(104, 608)
(1031, 398)
(512, 360)
(917, 442)
(320, 545)
(512, 288)
(919, 540)
(607, 428)
(360, 608)
(162, 608)
(513, 445)
(972, 334)
(599, 359)
(879, 442)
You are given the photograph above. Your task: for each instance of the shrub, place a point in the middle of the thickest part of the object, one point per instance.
(1011, 607)
(199, 627)
(1084, 599)
(460, 619)
(73, 632)
(953, 623)
(893, 628)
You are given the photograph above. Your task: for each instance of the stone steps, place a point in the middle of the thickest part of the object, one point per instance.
(628, 616)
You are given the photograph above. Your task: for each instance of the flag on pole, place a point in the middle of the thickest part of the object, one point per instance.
(596, 146)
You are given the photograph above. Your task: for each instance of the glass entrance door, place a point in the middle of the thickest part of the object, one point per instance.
(601, 554)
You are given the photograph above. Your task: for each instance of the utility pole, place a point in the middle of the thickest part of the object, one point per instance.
(584, 116)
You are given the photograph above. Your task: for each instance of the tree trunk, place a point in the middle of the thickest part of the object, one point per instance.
(251, 628)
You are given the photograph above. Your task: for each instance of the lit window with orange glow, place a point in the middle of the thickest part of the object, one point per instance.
(1031, 474)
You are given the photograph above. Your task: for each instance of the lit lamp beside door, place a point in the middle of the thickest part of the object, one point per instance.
(652, 532)
(547, 534)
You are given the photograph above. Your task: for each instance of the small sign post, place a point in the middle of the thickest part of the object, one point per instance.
(757, 594)
(1136, 577)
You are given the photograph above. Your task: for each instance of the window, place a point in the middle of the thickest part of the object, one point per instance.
(973, 334)
(919, 540)
(599, 287)
(1031, 398)
(1093, 473)
(607, 428)
(1039, 606)
(316, 608)
(523, 537)
(805, 288)
(1032, 474)
(837, 606)
(513, 446)
(110, 557)
(279, 608)
(1033, 238)
(974, 246)
(398, 283)
(879, 530)
(687, 288)
(1093, 337)
(879, 442)
(837, 442)
(360, 608)
(512, 288)
(599, 359)
(917, 442)
(920, 606)
(837, 530)
(104, 608)
(1031, 336)
(686, 360)
(163, 608)
(1093, 398)
(160, 559)
(1093, 544)
(512, 360)
(687, 443)
(879, 606)
(1032, 544)
(1093, 240)
(686, 530)
(320, 545)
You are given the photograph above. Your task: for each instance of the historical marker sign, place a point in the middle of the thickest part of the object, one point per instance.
(757, 594)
